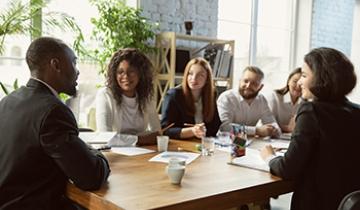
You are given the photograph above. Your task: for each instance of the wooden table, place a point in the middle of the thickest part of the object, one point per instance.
(209, 183)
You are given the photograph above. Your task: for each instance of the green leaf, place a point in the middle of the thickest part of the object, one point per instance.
(15, 84)
(5, 90)
(119, 26)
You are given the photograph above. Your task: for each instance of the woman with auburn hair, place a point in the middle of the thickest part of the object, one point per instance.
(126, 104)
(285, 101)
(192, 106)
(323, 153)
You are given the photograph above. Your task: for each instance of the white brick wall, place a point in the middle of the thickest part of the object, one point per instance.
(171, 14)
(332, 24)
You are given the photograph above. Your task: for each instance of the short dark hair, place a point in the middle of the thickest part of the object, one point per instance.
(334, 75)
(255, 70)
(41, 50)
(144, 69)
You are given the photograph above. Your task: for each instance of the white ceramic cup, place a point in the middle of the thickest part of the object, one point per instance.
(175, 173)
(176, 162)
(162, 143)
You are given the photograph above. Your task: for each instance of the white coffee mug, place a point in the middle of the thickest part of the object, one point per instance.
(162, 143)
(175, 173)
(176, 162)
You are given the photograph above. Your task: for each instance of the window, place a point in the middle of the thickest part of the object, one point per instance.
(263, 33)
(355, 51)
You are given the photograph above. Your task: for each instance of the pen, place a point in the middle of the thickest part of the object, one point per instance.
(189, 124)
(164, 129)
(106, 147)
(280, 149)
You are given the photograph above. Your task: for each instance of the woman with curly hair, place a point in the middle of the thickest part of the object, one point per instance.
(125, 105)
(193, 103)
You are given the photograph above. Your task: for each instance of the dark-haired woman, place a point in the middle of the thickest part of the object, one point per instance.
(125, 105)
(284, 102)
(323, 154)
(192, 106)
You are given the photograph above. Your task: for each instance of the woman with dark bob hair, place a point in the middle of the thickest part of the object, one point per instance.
(125, 105)
(323, 153)
(192, 105)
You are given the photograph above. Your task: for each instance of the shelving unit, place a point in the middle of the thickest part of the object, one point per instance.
(165, 70)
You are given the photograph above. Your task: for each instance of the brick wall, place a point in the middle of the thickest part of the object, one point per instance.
(171, 14)
(332, 24)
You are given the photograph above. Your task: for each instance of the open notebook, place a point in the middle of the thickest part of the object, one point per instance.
(252, 159)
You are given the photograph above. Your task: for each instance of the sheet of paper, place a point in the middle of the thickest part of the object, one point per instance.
(285, 136)
(131, 151)
(96, 137)
(252, 159)
(278, 143)
(165, 156)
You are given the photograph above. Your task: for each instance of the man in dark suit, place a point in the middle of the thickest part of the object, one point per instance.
(39, 145)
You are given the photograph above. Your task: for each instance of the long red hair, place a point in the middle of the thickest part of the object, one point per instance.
(207, 92)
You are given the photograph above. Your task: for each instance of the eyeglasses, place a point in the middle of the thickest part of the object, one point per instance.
(129, 73)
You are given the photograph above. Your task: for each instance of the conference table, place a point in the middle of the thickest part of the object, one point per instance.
(209, 183)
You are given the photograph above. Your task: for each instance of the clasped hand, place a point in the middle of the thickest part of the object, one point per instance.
(267, 130)
(199, 130)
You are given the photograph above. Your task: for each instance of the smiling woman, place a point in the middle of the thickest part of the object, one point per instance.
(192, 103)
(125, 105)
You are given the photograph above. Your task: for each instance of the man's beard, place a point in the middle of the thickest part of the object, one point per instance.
(249, 95)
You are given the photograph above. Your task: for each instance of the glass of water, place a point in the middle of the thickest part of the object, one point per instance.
(207, 146)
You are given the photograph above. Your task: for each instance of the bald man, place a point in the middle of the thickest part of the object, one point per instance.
(39, 145)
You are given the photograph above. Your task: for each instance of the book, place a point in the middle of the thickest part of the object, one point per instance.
(224, 68)
(213, 55)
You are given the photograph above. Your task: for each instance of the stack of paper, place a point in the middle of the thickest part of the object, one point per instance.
(131, 151)
(96, 137)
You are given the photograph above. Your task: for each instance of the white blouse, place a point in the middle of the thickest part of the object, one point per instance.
(125, 118)
(282, 107)
(198, 111)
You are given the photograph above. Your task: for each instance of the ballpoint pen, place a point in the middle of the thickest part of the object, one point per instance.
(161, 132)
(105, 147)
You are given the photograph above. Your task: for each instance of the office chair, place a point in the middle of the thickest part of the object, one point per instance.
(351, 201)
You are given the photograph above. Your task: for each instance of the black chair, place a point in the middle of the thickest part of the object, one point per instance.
(351, 201)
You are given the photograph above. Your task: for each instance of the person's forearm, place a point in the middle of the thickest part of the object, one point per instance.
(186, 133)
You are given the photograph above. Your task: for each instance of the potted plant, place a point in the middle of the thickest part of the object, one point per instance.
(16, 20)
(119, 26)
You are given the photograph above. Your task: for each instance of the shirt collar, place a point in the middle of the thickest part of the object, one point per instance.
(287, 99)
(53, 91)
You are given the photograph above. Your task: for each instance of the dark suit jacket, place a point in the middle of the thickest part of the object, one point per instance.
(173, 111)
(323, 156)
(40, 150)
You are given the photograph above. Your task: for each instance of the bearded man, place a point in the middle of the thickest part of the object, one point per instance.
(246, 106)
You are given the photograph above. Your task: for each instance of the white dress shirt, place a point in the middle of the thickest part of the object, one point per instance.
(233, 108)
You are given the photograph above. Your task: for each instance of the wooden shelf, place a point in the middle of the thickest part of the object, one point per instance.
(166, 76)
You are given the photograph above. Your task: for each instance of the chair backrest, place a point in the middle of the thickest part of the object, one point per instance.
(351, 201)
(91, 118)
